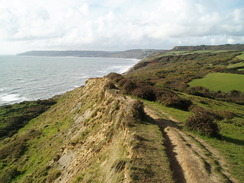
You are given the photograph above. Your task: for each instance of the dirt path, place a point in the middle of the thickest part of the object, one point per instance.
(192, 160)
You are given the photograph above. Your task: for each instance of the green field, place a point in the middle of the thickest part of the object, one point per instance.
(220, 81)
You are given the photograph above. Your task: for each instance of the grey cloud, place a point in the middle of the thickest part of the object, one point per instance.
(119, 24)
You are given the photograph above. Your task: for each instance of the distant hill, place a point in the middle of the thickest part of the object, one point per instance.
(136, 53)
(237, 47)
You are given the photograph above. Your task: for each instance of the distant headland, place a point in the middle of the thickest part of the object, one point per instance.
(135, 53)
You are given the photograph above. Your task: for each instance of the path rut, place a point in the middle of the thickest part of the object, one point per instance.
(192, 160)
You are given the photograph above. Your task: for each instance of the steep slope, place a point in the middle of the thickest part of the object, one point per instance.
(93, 134)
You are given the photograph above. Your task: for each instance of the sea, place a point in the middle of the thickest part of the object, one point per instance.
(24, 78)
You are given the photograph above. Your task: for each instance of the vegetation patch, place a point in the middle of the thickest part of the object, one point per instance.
(237, 65)
(230, 119)
(204, 124)
(13, 117)
(241, 56)
(220, 81)
(143, 90)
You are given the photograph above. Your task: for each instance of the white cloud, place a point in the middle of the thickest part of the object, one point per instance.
(118, 24)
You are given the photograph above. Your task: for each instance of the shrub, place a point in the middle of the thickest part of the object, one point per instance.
(213, 114)
(115, 77)
(145, 93)
(203, 124)
(128, 86)
(170, 99)
(227, 114)
(199, 91)
(148, 92)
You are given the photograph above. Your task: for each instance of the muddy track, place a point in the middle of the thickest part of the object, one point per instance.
(191, 159)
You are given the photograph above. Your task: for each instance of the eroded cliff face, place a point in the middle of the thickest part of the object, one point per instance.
(93, 134)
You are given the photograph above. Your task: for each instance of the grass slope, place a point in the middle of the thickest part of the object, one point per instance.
(175, 71)
(231, 144)
(16, 116)
(220, 82)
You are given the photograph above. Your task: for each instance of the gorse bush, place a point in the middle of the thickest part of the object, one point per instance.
(216, 115)
(145, 91)
(171, 99)
(232, 96)
(203, 124)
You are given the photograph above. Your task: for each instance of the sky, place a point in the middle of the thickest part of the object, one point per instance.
(118, 24)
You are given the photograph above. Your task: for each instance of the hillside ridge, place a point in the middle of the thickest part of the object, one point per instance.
(236, 47)
(135, 53)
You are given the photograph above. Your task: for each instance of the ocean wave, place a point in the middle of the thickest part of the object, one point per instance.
(116, 68)
(11, 98)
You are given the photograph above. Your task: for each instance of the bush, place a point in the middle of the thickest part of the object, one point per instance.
(170, 99)
(213, 114)
(148, 92)
(115, 77)
(203, 124)
(145, 93)
(128, 86)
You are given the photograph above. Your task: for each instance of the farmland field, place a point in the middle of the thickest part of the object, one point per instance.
(220, 81)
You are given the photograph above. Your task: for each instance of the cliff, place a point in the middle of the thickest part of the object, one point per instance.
(92, 134)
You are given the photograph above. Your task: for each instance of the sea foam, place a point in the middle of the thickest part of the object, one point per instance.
(11, 98)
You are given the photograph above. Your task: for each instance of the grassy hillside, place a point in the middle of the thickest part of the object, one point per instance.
(237, 47)
(220, 82)
(197, 76)
(150, 125)
(176, 71)
(14, 117)
(92, 134)
(231, 143)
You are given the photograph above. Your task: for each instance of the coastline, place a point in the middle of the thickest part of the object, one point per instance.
(15, 97)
